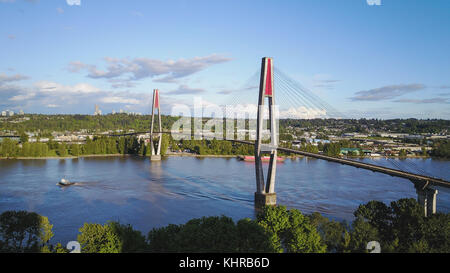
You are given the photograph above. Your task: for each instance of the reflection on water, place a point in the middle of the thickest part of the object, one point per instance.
(152, 194)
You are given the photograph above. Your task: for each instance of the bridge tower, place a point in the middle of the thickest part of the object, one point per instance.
(265, 192)
(426, 197)
(156, 153)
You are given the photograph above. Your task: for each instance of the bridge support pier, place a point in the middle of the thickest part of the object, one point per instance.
(426, 197)
(155, 157)
(265, 199)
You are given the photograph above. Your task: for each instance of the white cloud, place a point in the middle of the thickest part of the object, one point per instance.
(23, 97)
(303, 112)
(73, 2)
(126, 70)
(186, 90)
(53, 87)
(120, 100)
(387, 92)
(5, 78)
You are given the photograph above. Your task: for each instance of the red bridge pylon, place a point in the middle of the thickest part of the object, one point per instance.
(265, 192)
(156, 152)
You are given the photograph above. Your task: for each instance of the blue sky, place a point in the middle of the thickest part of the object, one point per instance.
(376, 61)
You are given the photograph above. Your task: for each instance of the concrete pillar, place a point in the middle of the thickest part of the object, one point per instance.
(155, 157)
(263, 199)
(426, 197)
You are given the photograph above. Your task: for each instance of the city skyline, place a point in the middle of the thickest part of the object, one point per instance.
(368, 61)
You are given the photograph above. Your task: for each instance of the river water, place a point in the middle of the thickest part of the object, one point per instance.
(147, 194)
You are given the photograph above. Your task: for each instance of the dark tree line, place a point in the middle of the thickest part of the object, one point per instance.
(399, 227)
(96, 146)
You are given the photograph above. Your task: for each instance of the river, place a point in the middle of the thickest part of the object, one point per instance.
(147, 194)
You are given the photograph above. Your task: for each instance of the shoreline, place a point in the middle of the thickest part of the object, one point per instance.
(194, 155)
(63, 157)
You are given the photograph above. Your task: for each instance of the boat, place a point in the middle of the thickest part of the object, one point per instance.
(65, 182)
(263, 159)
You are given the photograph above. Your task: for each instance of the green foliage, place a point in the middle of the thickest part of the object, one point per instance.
(45, 124)
(361, 233)
(164, 144)
(291, 231)
(112, 237)
(332, 149)
(62, 151)
(22, 231)
(402, 153)
(23, 137)
(334, 234)
(441, 149)
(98, 145)
(97, 238)
(400, 227)
(210, 234)
(212, 147)
(9, 148)
(131, 240)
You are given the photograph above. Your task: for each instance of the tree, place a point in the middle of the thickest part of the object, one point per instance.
(334, 234)
(75, 149)
(9, 148)
(252, 237)
(112, 237)
(62, 151)
(22, 231)
(164, 144)
(210, 234)
(23, 137)
(379, 216)
(131, 240)
(290, 230)
(424, 152)
(400, 227)
(361, 233)
(408, 222)
(207, 234)
(96, 238)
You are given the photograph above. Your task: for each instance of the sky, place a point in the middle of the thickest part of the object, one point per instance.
(366, 58)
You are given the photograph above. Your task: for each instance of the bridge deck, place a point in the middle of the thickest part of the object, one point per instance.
(375, 168)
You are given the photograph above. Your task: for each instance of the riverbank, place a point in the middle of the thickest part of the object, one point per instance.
(63, 157)
(204, 156)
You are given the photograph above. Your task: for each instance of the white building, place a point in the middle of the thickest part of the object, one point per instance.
(97, 112)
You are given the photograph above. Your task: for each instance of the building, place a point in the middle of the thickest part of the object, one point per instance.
(352, 151)
(97, 112)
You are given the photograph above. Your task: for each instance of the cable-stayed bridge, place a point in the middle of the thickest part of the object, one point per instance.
(292, 101)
